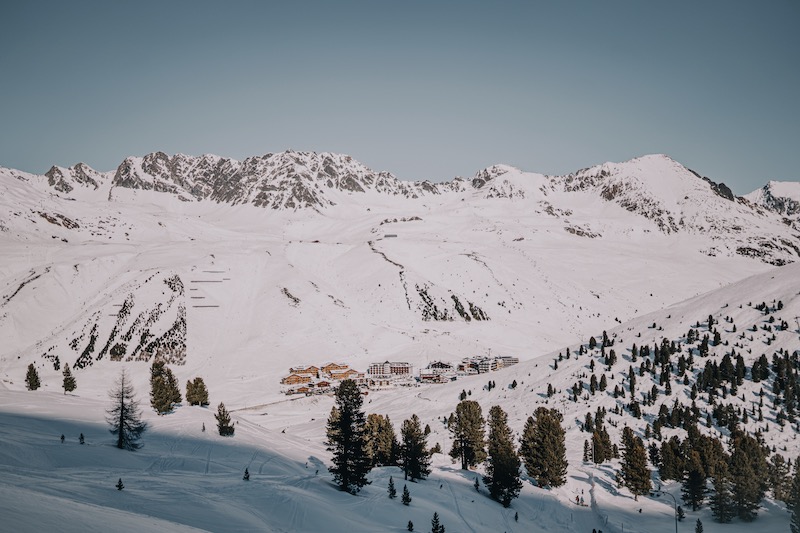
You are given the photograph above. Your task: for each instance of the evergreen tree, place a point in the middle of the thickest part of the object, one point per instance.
(406, 497)
(392, 491)
(414, 450)
(246, 476)
(164, 391)
(381, 442)
(779, 478)
(119, 484)
(543, 449)
(468, 434)
(69, 383)
(502, 469)
(793, 503)
(436, 527)
(224, 425)
(694, 481)
(196, 392)
(32, 378)
(346, 431)
(410, 526)
(81, 439)
(635, 473)
(698, 526)
(748, 471)
(124, 415)
(721, 501)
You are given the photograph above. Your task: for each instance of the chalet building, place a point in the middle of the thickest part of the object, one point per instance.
(312, 371)
(295, 379)
(332, 368)
(437, 372)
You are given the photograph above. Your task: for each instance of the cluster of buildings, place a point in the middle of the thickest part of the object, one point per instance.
(386, 375)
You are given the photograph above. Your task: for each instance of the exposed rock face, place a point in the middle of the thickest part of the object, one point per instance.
(65, 180)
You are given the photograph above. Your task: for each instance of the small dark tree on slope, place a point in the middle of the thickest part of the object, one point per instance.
(635, 472)
(436, 527)
(246, 475)
(392, 491)
(119, 484)
(224, 425)
(406, 498)
(346, 432)
(32, 378)
(410, 526)
(698, 526)
(468, 434)
(502, 469)
(69, 383)
(124, 415)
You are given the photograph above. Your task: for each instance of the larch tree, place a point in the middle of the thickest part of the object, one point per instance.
(414, 454)
(124, 415)
(468, 433)
(346, 431)
(502, 467)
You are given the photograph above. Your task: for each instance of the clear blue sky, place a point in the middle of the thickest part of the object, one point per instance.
(426, 90)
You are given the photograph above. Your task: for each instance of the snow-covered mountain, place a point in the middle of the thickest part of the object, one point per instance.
(781, 197)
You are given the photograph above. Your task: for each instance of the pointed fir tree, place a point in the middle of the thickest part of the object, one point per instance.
(436, 526)
(224, 425)
(414, 450)
(635, 472)
(468, 434)
(81, 439)
(502, 467)
(119, 484)
(32, 378)
(543, 448)
(69, 383)
(748, 474)
(346, 432)
(246, 475)
(392, 491)
(381, 441)
(698, 526)
(124, 415)
(406, 497)
(410, 526)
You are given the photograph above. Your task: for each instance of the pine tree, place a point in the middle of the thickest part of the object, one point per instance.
(69, 383)
(246, 476)
(196, 392)
(502, 469)
(721, 501)
(406, 497)
(346, 432)
(164, 391)
(119, 484)
(779, 478)
(81, 439)
(414, 450)
(694, 481)
(698, 526)
(748, 471)
(793, 503)
(436, 527)
(32, 378)
(543, 449)
(468, 434)
(635, 472)
(392, 491)
(224, 425)
(410, 526)
(381, 442)
(124, 415)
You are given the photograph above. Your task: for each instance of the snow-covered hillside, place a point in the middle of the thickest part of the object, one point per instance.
(236, 271)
